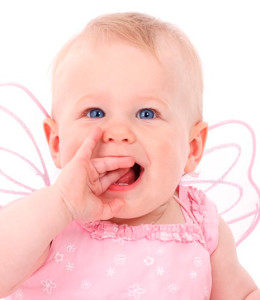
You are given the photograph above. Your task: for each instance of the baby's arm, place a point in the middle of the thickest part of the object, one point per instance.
(28, 225)
(230, 280)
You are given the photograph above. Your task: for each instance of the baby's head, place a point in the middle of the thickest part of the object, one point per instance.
(139, 80)
(162, 40)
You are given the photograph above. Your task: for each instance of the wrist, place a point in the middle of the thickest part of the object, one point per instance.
(63, 209)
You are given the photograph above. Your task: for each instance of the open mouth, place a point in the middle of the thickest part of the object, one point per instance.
(131, 176)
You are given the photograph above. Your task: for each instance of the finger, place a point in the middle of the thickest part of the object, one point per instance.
(106, 164)
(111, 177)
(112, 208)
(88, 145)
(100, 210)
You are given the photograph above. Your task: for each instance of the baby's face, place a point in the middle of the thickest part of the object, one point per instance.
(138, 103)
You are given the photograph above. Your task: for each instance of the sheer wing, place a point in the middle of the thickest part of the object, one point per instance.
(225, 174)
(23, 163)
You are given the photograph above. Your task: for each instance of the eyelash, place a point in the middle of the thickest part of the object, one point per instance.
(87, 113)
(155, 112)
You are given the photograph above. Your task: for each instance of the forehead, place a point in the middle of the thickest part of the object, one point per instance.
(166, 52)
(98, 65)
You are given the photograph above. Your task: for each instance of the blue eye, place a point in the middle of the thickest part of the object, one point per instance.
(146, 114)
(95, 113)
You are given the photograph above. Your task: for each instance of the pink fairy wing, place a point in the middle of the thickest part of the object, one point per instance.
(225, 174)
(24, 153)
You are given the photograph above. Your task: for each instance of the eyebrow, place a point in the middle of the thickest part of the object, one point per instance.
(87, 96)
(137, 98)
(154, 99)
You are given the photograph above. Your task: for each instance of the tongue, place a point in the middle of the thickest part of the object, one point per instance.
(128, 178)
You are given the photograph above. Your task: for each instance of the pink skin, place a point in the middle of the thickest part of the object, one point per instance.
(97, 78)
(85, 178)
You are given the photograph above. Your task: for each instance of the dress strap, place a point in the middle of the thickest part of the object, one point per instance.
(186, 212)
(202, 212)
(185, 204)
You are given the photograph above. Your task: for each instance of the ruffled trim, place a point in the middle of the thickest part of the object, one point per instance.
(198, 207)
(206, 215)
(198, 204)
(184, 233)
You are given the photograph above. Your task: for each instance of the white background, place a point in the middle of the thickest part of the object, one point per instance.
(226, 34)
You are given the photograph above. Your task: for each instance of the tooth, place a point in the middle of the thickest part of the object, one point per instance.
(120, 183)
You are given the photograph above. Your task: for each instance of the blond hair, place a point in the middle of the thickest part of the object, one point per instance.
(144, 32)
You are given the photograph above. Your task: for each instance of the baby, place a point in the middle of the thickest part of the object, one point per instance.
(126, 126)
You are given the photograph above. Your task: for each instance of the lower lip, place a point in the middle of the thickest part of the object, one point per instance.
(125, 188)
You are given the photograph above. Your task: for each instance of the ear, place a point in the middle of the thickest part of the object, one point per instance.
(51, 132)
(198, 138)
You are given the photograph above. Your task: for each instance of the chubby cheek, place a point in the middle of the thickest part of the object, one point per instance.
(67, 151)
(69, 143)
(171, 160)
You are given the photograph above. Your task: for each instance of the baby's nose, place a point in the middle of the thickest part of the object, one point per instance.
(118, 133)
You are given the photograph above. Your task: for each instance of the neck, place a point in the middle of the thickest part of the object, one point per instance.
(168, 213)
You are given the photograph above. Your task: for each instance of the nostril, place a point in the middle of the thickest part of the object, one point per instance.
(124, 140)
(113, 140)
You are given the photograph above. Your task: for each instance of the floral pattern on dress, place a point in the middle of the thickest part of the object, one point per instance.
(85, 284)
(120, 259)
(111, 272)
(160, 270)
(48, 286)
(173, 288)
(135, 291)
(198, 261)
(193, 274)
(59, 257)
(70, 248)
(149, 261)
(18, 294)
(69, 266)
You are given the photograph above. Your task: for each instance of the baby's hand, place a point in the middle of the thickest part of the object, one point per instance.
(83, 180)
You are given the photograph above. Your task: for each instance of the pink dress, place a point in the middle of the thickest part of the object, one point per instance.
(102, 260)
